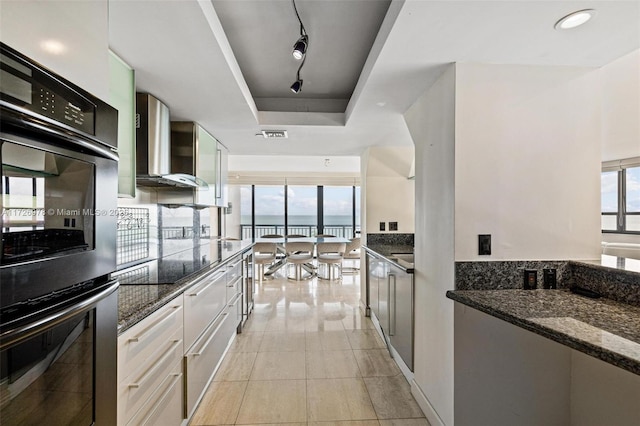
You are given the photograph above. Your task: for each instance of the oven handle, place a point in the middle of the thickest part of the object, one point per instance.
(35, 123)
(16, 335)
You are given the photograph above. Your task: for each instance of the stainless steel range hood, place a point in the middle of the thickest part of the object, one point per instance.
(153, 147)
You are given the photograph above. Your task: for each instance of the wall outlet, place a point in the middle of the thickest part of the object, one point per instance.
(484, 244)
(382, 226)
(393, 226)
(530, 279)
(549, 278)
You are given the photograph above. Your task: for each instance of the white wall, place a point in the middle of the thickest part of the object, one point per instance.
(80, 28)
(527, 161)
(390, 195)
(621, 108)
(431, 122)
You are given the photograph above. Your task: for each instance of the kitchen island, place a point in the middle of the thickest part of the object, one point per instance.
(177, 317)
(146, 287)
(549, 356)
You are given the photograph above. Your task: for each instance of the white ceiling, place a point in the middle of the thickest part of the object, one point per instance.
(182, 54)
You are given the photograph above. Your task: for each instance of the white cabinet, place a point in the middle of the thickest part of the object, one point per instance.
(203, 301)
(203, 358)
(204, 355)
(149, 366)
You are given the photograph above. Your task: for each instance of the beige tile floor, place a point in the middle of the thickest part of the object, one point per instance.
(308, 356)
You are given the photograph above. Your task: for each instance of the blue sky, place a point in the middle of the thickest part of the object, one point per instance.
(303, 200)
(609, 181)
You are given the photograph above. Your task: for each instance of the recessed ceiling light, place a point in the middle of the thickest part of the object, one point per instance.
(574, 19)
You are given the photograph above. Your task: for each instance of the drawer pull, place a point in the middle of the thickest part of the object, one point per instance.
(174, 310)
(161, 400)
(156, 365)
(238, 295)
(213, 334)
(205, 286)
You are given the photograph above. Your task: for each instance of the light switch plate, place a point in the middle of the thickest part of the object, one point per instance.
(393, 226)
(484, 244)
(382, 227)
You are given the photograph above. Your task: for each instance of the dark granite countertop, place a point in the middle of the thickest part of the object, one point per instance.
(148, 286)
(602, 328)
(387, 250)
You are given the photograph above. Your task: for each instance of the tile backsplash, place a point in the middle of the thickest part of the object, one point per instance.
(390, 239)
(501, 275)
(620, 285)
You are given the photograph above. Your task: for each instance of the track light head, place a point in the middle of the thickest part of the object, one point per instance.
(300, 47)
(297, 86)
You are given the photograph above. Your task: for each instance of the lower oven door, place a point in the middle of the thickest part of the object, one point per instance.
(60, 369)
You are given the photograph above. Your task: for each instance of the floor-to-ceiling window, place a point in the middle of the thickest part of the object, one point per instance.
(308, 210)
(302, 210)
(338, 211)
(246, 211)
(268, 209)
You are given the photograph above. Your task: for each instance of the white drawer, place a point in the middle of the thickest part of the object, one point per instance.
(137, 345)
(203, 358)
(234, 269)
(165, 406)
(203, 301)
(135, 390)
(233, 288)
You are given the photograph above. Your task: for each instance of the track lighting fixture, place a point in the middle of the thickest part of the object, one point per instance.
(300, 49)
(297, 86)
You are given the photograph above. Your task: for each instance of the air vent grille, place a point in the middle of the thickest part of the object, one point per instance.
(275, 134)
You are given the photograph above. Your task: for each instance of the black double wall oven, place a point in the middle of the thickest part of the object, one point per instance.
(58, 306)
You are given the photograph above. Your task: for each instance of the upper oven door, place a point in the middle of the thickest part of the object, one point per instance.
(58, 221)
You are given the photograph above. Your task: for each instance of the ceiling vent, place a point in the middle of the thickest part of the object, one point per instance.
(275, 134)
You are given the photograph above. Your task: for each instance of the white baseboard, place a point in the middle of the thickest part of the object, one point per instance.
(425, 405)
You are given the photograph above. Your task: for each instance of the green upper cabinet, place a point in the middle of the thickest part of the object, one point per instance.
(206, 158)
(122, 96)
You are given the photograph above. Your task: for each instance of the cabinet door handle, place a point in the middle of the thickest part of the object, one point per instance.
(156, 365)
(391, 315)
(238, 296)
(392, 331)
(206, 285)
(213, 334)
(165, 318)
(161, 400)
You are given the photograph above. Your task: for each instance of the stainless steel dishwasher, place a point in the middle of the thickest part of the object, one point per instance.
(400, 316)
(390, 292)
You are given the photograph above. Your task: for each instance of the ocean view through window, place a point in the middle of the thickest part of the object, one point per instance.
(300, 207)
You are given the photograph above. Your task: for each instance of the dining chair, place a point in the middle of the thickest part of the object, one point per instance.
(352, 253)
(299, 253)
(281, 252)
(264, 254)
(330, 255)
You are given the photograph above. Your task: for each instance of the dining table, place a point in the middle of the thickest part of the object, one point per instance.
(282, 261)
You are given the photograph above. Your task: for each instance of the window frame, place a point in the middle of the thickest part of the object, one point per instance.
(320, 212)
(621, 214)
